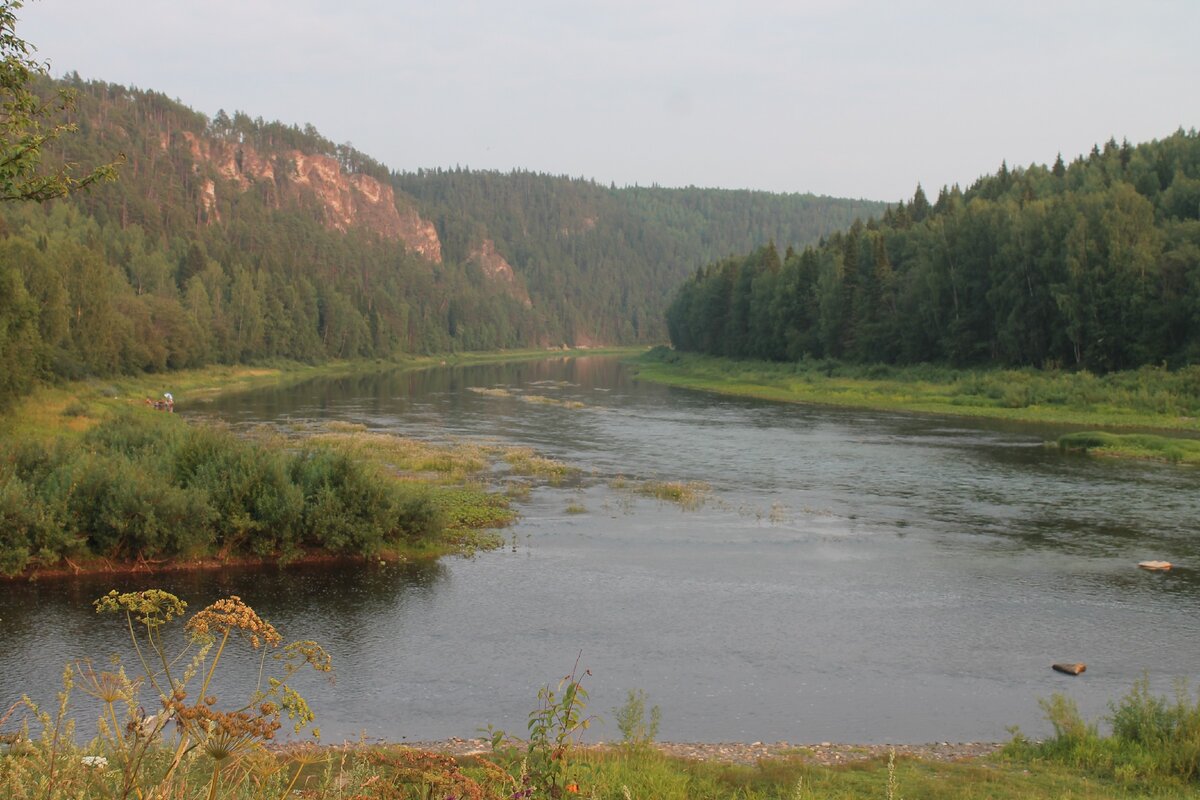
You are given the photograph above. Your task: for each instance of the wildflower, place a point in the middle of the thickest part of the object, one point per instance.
(152, 607)
(573, 787)
(232, 614)
(95, 762)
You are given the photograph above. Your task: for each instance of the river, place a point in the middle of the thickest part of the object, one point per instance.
(851, 575)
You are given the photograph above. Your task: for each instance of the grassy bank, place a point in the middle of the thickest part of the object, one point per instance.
(94, 479)
(75, 407)
(1147, 398)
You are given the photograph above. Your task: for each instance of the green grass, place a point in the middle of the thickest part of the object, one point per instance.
(338, 773)
(1150, 397)
(1133, 445)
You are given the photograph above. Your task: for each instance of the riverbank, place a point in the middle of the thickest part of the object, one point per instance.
(825, 754)
(75, 407)
(1149, 398)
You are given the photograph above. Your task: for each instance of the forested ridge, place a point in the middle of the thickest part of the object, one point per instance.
(606, 259)
(231, 239)
(1092, 265)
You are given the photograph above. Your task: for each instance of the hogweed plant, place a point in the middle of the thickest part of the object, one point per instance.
(144, 756)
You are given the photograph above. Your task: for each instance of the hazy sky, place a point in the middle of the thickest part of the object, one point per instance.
(859, 99)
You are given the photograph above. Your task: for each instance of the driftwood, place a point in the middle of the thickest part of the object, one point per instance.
(1069, 669)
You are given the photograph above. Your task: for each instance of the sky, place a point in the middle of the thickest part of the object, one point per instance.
(849, 99)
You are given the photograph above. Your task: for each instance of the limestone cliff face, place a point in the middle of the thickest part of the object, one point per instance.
(346, 200)
(497, 269)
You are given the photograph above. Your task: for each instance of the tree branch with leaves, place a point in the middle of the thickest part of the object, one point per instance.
(29, 122)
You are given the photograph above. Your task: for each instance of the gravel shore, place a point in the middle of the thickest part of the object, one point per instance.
(823, 753)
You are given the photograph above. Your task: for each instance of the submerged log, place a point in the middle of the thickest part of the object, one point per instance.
(1161, 566)
(1069, 669)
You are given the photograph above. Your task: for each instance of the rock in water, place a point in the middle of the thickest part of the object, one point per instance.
(1070, 669)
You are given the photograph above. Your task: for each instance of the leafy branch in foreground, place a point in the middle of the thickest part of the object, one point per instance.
(27, 123)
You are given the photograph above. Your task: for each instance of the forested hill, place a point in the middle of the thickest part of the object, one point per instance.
(232, 239)
(1093, 264)
(606, 259)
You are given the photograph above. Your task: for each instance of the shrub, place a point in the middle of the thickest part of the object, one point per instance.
(255, 505)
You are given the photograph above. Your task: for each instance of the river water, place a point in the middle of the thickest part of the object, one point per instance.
(852, 575)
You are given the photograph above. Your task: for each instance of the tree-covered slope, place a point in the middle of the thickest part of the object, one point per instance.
(602, 261)
(1094, 265)
(232, 239)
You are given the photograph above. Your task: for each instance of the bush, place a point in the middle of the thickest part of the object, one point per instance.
(1152, 737)
(345, 508)
(254, 503)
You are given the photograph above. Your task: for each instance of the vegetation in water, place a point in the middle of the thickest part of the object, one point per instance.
(146, 486)
(1133, 445)
(541, 399)
(688, 495)
(524, 461)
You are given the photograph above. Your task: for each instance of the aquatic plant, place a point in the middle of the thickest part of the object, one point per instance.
(524, 461)
(688, 495)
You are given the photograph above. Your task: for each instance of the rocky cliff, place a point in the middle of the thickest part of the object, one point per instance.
(346, 200)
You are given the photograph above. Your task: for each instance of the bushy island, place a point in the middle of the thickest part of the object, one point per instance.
(94, 479)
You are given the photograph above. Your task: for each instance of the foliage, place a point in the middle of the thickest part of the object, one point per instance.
(29, 124)
(547, 770)
(1096, 268)
(636, 731)
(563, 237)
(189, 260)
(145, 485)
(1154, 739)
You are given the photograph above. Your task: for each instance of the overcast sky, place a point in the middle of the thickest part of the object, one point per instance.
(859, 99)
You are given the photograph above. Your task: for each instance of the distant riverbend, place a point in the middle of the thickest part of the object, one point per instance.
(763, 571)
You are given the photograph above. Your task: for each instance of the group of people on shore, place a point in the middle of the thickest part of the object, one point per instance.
(166, 404)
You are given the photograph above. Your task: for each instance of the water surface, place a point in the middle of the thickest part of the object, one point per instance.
(854, 576)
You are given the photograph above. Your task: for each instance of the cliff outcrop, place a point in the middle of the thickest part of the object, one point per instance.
(497, 269)
(345, 200)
